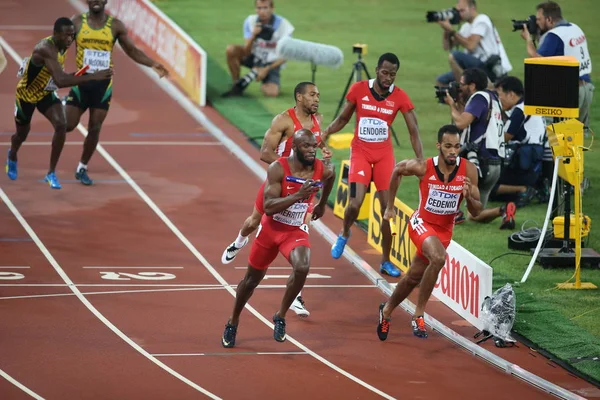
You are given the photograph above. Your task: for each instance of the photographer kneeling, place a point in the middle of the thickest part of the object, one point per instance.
(262, 31)
(482, 139)
(525, 146)
(482, 44)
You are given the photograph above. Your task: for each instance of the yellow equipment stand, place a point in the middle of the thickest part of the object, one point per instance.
(566, 139)
(552, 90)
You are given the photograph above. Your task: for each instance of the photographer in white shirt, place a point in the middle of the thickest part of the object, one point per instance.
(262, 31)
(481, 42)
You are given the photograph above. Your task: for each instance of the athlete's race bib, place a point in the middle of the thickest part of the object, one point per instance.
(51, 86)
(293, 215)
(442, 203)
(372, 130)
(96, 59)
(23, 67)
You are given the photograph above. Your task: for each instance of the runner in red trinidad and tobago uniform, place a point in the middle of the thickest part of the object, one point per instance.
(445, 180)
(278, 143)
(292, 182)
(376, 101)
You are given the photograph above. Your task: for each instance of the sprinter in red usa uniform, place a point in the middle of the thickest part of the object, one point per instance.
(376, 102)
(292, 183)
(445, 181)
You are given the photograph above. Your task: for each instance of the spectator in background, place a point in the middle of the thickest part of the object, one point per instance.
(482, 141)
(563, 38)
(525, 146)
(261, 33)
(481, 42)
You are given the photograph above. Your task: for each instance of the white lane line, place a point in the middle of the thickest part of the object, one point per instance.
(124, 143)
(13, 267)
(124, 267)
(20, 385)
(235, 353)
(47, 28)
(89, 305)
(216, 287)
(40, 296)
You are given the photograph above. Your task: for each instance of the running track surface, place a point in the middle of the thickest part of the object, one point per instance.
(148, 315)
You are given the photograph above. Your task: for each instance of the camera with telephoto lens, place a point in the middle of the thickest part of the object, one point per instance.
(529, 22)
(266, 32)
(452, 90)
(242, 83)
(451, 13)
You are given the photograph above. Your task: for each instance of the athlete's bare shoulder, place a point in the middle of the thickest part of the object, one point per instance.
(118, 27)
(284, 124)
(43, 50)
(77, 21)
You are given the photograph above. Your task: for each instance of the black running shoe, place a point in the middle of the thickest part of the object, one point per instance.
(228, 339)
(418, 327)
(384, 324)
(279, 328)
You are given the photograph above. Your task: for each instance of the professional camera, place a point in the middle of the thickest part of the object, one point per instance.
(452, 89)
(266, 33)
(242, 83)
(451, 13)
(530, 22)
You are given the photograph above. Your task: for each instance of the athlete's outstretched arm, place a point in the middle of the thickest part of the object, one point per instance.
(274, 203)
(340, 121)
(328, 180)
(413, 129)
(411, 167)
(471, 190)
(48, 56)
(133, 52)
(268, 150)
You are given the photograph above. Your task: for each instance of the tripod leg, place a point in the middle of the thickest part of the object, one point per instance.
(344, 94)
(364, 67)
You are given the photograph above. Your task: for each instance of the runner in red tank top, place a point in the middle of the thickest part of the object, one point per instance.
(377, 102)
(445, 181)
(292, 182)
(278, 143)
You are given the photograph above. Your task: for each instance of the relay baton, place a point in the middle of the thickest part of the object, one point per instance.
(82, 70)
(301, 181)
(393, 227)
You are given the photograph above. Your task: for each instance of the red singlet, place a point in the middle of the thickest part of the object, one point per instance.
(372, 154)
(438, 204)
(284, 149)
(284, 231)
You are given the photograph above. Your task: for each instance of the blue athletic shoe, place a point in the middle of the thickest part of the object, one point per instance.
(52, 180)
(338, 247)
(11, 168)
(390, 269)
(83, 177)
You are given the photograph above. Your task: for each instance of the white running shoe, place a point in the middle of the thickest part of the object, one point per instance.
(231, 251)
(299, 308)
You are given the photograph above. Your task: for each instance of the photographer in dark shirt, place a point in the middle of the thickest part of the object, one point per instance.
(525, 136)
(262, 31)
(482, 139)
